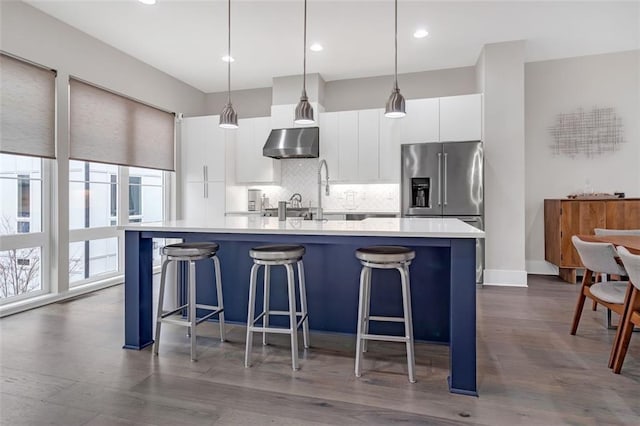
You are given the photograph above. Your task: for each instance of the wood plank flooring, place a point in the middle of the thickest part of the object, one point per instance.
(63, 365)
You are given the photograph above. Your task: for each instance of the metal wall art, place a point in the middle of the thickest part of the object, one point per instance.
(587, 133)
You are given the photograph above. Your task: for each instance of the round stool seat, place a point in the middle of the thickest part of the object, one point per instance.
(385, 254)
(277, 252)
(196, 249)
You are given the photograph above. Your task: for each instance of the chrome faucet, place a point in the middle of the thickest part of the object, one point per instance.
(296, 200)
(326, 190)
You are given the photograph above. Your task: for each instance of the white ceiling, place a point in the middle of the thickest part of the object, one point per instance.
(186, 39)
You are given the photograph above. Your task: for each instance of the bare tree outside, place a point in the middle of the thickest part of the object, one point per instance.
(19, 268)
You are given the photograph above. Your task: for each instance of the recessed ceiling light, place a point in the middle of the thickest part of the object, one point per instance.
(316, 47)
(421, 33)
(147, 1)
(227, 58)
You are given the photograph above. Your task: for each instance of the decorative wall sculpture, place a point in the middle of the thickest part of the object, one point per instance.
(587, 133)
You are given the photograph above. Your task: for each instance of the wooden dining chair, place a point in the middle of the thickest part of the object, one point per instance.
(632, 312)
(599, 257)
(606, 232)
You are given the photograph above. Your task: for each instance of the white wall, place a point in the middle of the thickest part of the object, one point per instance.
(31, 34)
(373, 92)
(501, 79)
(562, 86)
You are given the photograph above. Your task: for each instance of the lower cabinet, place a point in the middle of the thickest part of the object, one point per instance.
(202, 200)
(565, 218)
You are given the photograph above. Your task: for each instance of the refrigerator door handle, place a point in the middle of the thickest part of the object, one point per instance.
(439, 178)
(445, 178)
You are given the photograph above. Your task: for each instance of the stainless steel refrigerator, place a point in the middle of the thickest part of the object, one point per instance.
(445, 180)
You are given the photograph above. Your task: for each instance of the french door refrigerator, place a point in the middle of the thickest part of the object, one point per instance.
(445, 180)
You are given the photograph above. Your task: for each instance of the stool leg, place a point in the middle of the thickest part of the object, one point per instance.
(187, 295)
(216, 264)
(192, 308)
(361, 302)
(250, 313)
(293, 318)
(265, 304)
(367, 307)
(163, 281)
(408, 324)
(303, 304)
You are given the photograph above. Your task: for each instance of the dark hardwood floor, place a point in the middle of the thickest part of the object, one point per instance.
(63, 365)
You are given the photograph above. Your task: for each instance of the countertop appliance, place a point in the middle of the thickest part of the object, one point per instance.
(298, 142)
(254, 201)
(445, 180)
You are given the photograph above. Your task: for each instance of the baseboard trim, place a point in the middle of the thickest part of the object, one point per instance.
(541, 267)
(505, 278)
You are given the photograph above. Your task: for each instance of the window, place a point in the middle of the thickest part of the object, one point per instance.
(24, 196)
(92, 259)
(91, 198)
(21, 189)
(20, 271)
(146, 195)
(135, 197)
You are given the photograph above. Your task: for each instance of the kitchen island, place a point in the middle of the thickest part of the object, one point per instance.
(443, 281)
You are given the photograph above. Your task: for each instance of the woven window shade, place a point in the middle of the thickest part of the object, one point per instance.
(27, 108)
(109, 128)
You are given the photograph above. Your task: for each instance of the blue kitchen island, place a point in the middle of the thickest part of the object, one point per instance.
(443, 277)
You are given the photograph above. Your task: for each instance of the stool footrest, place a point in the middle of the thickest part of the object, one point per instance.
(384, 338)
(298, 314)
(209, 315)
(172, 312)
(389, 319)
(270, 330)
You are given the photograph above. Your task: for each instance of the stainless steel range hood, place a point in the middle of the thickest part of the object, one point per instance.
(299, 142)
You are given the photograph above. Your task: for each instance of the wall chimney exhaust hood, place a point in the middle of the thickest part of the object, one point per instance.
(299, 142)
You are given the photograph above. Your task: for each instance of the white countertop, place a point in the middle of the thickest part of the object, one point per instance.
(387, 227)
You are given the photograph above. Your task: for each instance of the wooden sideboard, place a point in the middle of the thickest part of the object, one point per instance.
(564, 218)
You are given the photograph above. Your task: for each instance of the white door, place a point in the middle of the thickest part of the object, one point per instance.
(251, 165)
(329, 141)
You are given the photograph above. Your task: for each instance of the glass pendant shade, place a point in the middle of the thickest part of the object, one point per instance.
(395, 105)
(304, 111)
(229, 118)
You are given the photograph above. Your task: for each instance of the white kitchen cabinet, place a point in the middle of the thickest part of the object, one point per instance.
(329, 140)
(461, 118)
(368, 145)
(347, 146)
(203, 149)
(251, 166)
(202, 200)
(389, 148)
(422, 122)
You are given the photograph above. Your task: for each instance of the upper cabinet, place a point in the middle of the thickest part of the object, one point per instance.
(364, 146)
(422, 122)
(203, 149)
(461, 118)
(251, 166)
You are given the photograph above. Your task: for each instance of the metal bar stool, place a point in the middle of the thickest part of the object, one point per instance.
(189, 252)
(268, 256)
(384, 257)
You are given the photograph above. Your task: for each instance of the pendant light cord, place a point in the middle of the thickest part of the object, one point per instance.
(396, 48)
(229, 52)
(304, 53)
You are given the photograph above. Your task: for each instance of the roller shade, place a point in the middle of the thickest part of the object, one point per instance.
(27, 108)
(109, 128)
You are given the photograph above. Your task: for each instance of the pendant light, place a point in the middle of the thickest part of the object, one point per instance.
(395, 104)
(304, 110)
(229, 118)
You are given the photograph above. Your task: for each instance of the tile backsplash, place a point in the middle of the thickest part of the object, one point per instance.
(301, 176)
